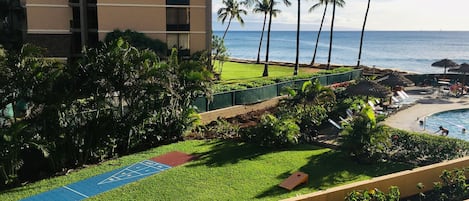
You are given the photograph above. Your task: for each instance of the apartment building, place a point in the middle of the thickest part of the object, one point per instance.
(64, 26)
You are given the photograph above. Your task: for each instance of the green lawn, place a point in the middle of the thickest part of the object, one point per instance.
(225, 171)
(241, 71)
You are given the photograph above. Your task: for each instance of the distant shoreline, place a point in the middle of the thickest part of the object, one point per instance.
(410, 51)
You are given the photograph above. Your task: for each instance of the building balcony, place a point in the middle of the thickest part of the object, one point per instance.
(74, 24)
(177, 2)
(178, 27)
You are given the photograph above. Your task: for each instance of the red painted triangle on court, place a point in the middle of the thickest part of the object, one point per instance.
(174, 158)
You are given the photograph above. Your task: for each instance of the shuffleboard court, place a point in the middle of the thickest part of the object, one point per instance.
(104, 182)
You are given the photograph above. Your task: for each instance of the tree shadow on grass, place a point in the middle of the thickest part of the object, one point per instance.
(21, 189)
(231, 152)
(331, 169)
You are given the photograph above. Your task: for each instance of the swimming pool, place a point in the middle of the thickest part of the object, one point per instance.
(453, 120)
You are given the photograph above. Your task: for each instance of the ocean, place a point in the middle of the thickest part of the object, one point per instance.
(412, 51)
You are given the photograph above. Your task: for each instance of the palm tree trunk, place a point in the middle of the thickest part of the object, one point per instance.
(295, 71)
(363, 33)
(319, 34)
(266, 64)
(331, 36)
(262, 37)
(226, 30)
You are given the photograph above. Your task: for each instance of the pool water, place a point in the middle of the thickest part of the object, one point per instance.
(453, 120)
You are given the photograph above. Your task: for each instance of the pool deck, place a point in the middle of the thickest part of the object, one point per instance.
(428, 101)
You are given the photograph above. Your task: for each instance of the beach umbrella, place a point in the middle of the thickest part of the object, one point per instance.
(368, 88)
(463, 69)
(445, 63)
(395, 79)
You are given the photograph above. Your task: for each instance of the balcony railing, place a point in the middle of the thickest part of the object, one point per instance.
(178, 27)
(177, 2)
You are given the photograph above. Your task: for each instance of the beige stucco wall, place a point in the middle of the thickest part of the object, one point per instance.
(198, 19)
(199, 2)
(149, 17)
(48, 16)
(198, 26)
(146, 17)
(154, 2)
(197, 42)
(406, 181)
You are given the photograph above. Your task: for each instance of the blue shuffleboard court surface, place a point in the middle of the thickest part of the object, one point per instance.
(101, 183)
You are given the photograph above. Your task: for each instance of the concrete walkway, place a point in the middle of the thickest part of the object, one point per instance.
(428, 102)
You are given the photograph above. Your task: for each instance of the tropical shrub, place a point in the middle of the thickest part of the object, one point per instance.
(220, 129)
(219, 53)
(344, 103)
(27, 79)
(115, 100)
(374, 195)
(364, 139)
(311, 93)
(424, 149)
(138, 40)
(308, 106)
(452, 187)
(273, 132)
(307, 117)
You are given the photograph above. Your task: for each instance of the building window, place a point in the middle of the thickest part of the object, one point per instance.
(177, 19)
(179, 41)
(177, 2)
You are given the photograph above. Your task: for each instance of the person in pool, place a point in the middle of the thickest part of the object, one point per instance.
(443, 131)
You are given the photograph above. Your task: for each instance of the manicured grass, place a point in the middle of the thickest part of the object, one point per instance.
(224, 171)
(241, 71)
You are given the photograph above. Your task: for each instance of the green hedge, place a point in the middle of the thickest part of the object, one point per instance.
(424, 149)
(339, 74)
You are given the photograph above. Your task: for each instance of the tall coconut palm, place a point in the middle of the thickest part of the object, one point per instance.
(263, 6)
(339, 3)
(266, 65)
(363, 32)
(232, 10)
(331, 35)
(297, 65)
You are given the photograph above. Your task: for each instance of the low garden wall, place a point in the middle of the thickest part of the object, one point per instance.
(259, 94)
(406, 181)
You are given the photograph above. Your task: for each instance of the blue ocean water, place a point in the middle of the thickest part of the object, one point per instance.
(413, 51)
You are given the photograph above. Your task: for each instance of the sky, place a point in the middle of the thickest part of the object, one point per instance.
(384, 15)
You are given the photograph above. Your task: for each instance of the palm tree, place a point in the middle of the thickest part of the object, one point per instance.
(331, 35)
(339, 3)
(295, 71)
(232, 10)
(311, 92)
(263, 6)
(266, 64)
(363, 32)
